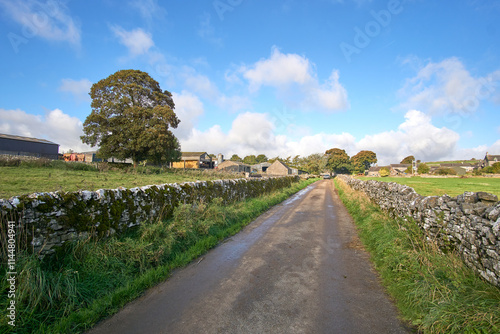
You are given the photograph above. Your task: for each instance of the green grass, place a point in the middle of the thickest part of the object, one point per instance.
(440, 186)
(435, 292)
(21, 180)
(91, 279)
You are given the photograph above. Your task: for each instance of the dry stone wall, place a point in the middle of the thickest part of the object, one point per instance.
(468, 223)
(51, 219)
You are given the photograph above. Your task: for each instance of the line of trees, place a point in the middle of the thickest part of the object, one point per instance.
(338, 161)
(333, 160)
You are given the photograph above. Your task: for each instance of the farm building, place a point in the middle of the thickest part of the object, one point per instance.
(279, 168)
(296, 171)
(234, 166)
(261, 168)
(91, 157)
(489, 160)
(399, 169)
(34, 147)
(194, 160)
(374, 171)
(460, 168)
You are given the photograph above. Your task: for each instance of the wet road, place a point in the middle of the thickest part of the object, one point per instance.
(299, 268)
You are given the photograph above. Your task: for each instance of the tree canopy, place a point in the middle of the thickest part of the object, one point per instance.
(250, 160)
(408, 160)
(363, 160)
(131, 118)
(235, 157)
(338, 161)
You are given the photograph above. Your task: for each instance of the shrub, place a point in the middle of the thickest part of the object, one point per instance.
(496, 168)
(423, 169)
(446, 171)
(384, 172)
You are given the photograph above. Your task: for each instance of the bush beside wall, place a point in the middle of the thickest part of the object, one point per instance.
(468, 223)
(51, 219)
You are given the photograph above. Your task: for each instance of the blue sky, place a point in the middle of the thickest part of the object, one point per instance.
(281, 78)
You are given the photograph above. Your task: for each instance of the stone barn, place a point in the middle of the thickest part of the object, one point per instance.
(279, 168)
(234, 166)
(26, 146)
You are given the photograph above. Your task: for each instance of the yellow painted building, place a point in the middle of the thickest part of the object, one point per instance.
(194, 160)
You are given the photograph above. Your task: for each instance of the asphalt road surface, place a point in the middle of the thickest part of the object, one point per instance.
(299, 268)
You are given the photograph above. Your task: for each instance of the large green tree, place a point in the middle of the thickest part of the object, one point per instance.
(131, 118)
(363, 160)
(408, 160)
(338, 161)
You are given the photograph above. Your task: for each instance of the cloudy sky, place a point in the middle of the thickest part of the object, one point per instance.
(282, 78)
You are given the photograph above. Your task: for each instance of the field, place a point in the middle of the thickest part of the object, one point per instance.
(441, 186)
(15, 181)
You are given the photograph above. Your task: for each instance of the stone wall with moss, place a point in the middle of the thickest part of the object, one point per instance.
(468, 224)
(51, 219)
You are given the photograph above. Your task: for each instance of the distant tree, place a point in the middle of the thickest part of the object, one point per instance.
(235, 157)
(261, 158)
(314, 163)
(423, 169)
(408, 160)
(363, 160)
(250, 160)
(338, 161)
(296, 161)
(131, 118)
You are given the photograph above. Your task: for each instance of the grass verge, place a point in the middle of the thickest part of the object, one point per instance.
(435, 292)
(92, 279)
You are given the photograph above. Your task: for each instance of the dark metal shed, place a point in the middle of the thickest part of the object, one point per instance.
(34, 147)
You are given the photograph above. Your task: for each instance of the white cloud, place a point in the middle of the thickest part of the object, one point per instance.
(204, 87)
(137, 40)
(50, 20)
(416, 136)
(207, 31)
(188, 109)
(55, 126)
(80, 89)
(294, 77)
(148, 9)
(448, 87)
(280, 70)
(254, 133)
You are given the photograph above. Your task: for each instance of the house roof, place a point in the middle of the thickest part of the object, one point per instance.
(457, 165)
(263, 164)
(400, 165)
(232, 163)
(34, 140)
(192, 155)
(492, 157)
(277, 162)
